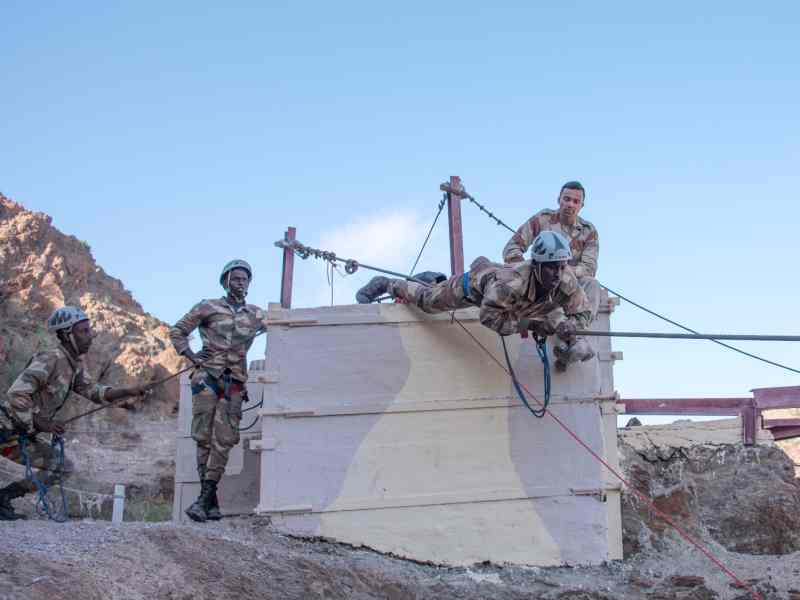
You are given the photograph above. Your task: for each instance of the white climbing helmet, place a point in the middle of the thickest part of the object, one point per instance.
(550, 246)
(65, 317)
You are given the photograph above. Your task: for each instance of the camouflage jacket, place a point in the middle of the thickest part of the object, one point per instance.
(507, 293)
(44, 386)
(225, 331)
(584, 242)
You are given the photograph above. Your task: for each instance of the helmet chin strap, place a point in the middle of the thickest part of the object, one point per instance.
(537, 271)
(238, 297)
(71, 344)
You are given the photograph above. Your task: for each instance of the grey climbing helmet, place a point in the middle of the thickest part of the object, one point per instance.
(550, 246)
(65, 317)
(235, 264)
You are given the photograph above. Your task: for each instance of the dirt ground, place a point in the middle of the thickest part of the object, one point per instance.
(244, 558)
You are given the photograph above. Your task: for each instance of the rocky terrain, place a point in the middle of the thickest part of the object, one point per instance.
(741, 503)
(244, 558)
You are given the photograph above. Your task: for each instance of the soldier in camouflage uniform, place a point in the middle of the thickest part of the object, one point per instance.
(227, 328)
(40, 391)
(542, 295)
(582, 235)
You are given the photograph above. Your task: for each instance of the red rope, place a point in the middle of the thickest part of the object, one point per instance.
(641, 495)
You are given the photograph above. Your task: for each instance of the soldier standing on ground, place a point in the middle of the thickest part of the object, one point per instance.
(38, 394)
(582, 236)
(227, 327)
(541, 295)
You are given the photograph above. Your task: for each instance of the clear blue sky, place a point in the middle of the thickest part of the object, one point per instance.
(175, 136)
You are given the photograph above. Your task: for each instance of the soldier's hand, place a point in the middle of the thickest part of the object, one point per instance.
(48, 425)
(566, 331)
(144, 389)
(197, 357)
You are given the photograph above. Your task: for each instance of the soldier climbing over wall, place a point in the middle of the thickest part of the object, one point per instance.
(227, 327)
(541, 295)
(38, 394)
(582, 236)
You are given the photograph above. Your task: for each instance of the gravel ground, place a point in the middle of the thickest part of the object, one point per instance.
(244, 557)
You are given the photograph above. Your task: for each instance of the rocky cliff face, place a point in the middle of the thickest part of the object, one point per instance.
(745, 499)
(41, 269)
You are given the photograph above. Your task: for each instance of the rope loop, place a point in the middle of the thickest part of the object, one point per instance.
(351, 266)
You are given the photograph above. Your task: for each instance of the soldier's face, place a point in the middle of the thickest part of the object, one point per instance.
(82, 334)
(570, 203)
(551, 275)
(238, 283)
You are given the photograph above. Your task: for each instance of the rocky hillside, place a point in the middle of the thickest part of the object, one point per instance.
(41, 269)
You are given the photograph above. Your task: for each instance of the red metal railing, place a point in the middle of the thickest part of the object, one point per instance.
(749, 409)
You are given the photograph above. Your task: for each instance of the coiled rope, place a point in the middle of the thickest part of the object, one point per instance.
(42, 489)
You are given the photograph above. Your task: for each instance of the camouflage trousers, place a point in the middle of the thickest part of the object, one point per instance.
(449, 294)
(215, 422)
(441, 297)
(44, 458)
(593, 292)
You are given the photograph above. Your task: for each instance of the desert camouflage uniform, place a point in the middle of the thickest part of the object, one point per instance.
(584, 244)
(39, 392)
(218, 387)
(505, 294)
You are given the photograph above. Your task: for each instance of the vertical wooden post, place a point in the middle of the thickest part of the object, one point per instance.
(454, 222)
(287, 275)
(749, 416)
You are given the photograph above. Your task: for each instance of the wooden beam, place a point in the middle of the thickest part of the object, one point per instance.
(454, 223)
(287, 276)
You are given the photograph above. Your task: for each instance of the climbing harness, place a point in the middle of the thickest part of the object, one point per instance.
(229, 388)
(43, 506)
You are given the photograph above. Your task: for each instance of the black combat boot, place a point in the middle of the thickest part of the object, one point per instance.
(431, 277)
(197, 511)
(376, 287)
(212, 508)
(7, 494)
